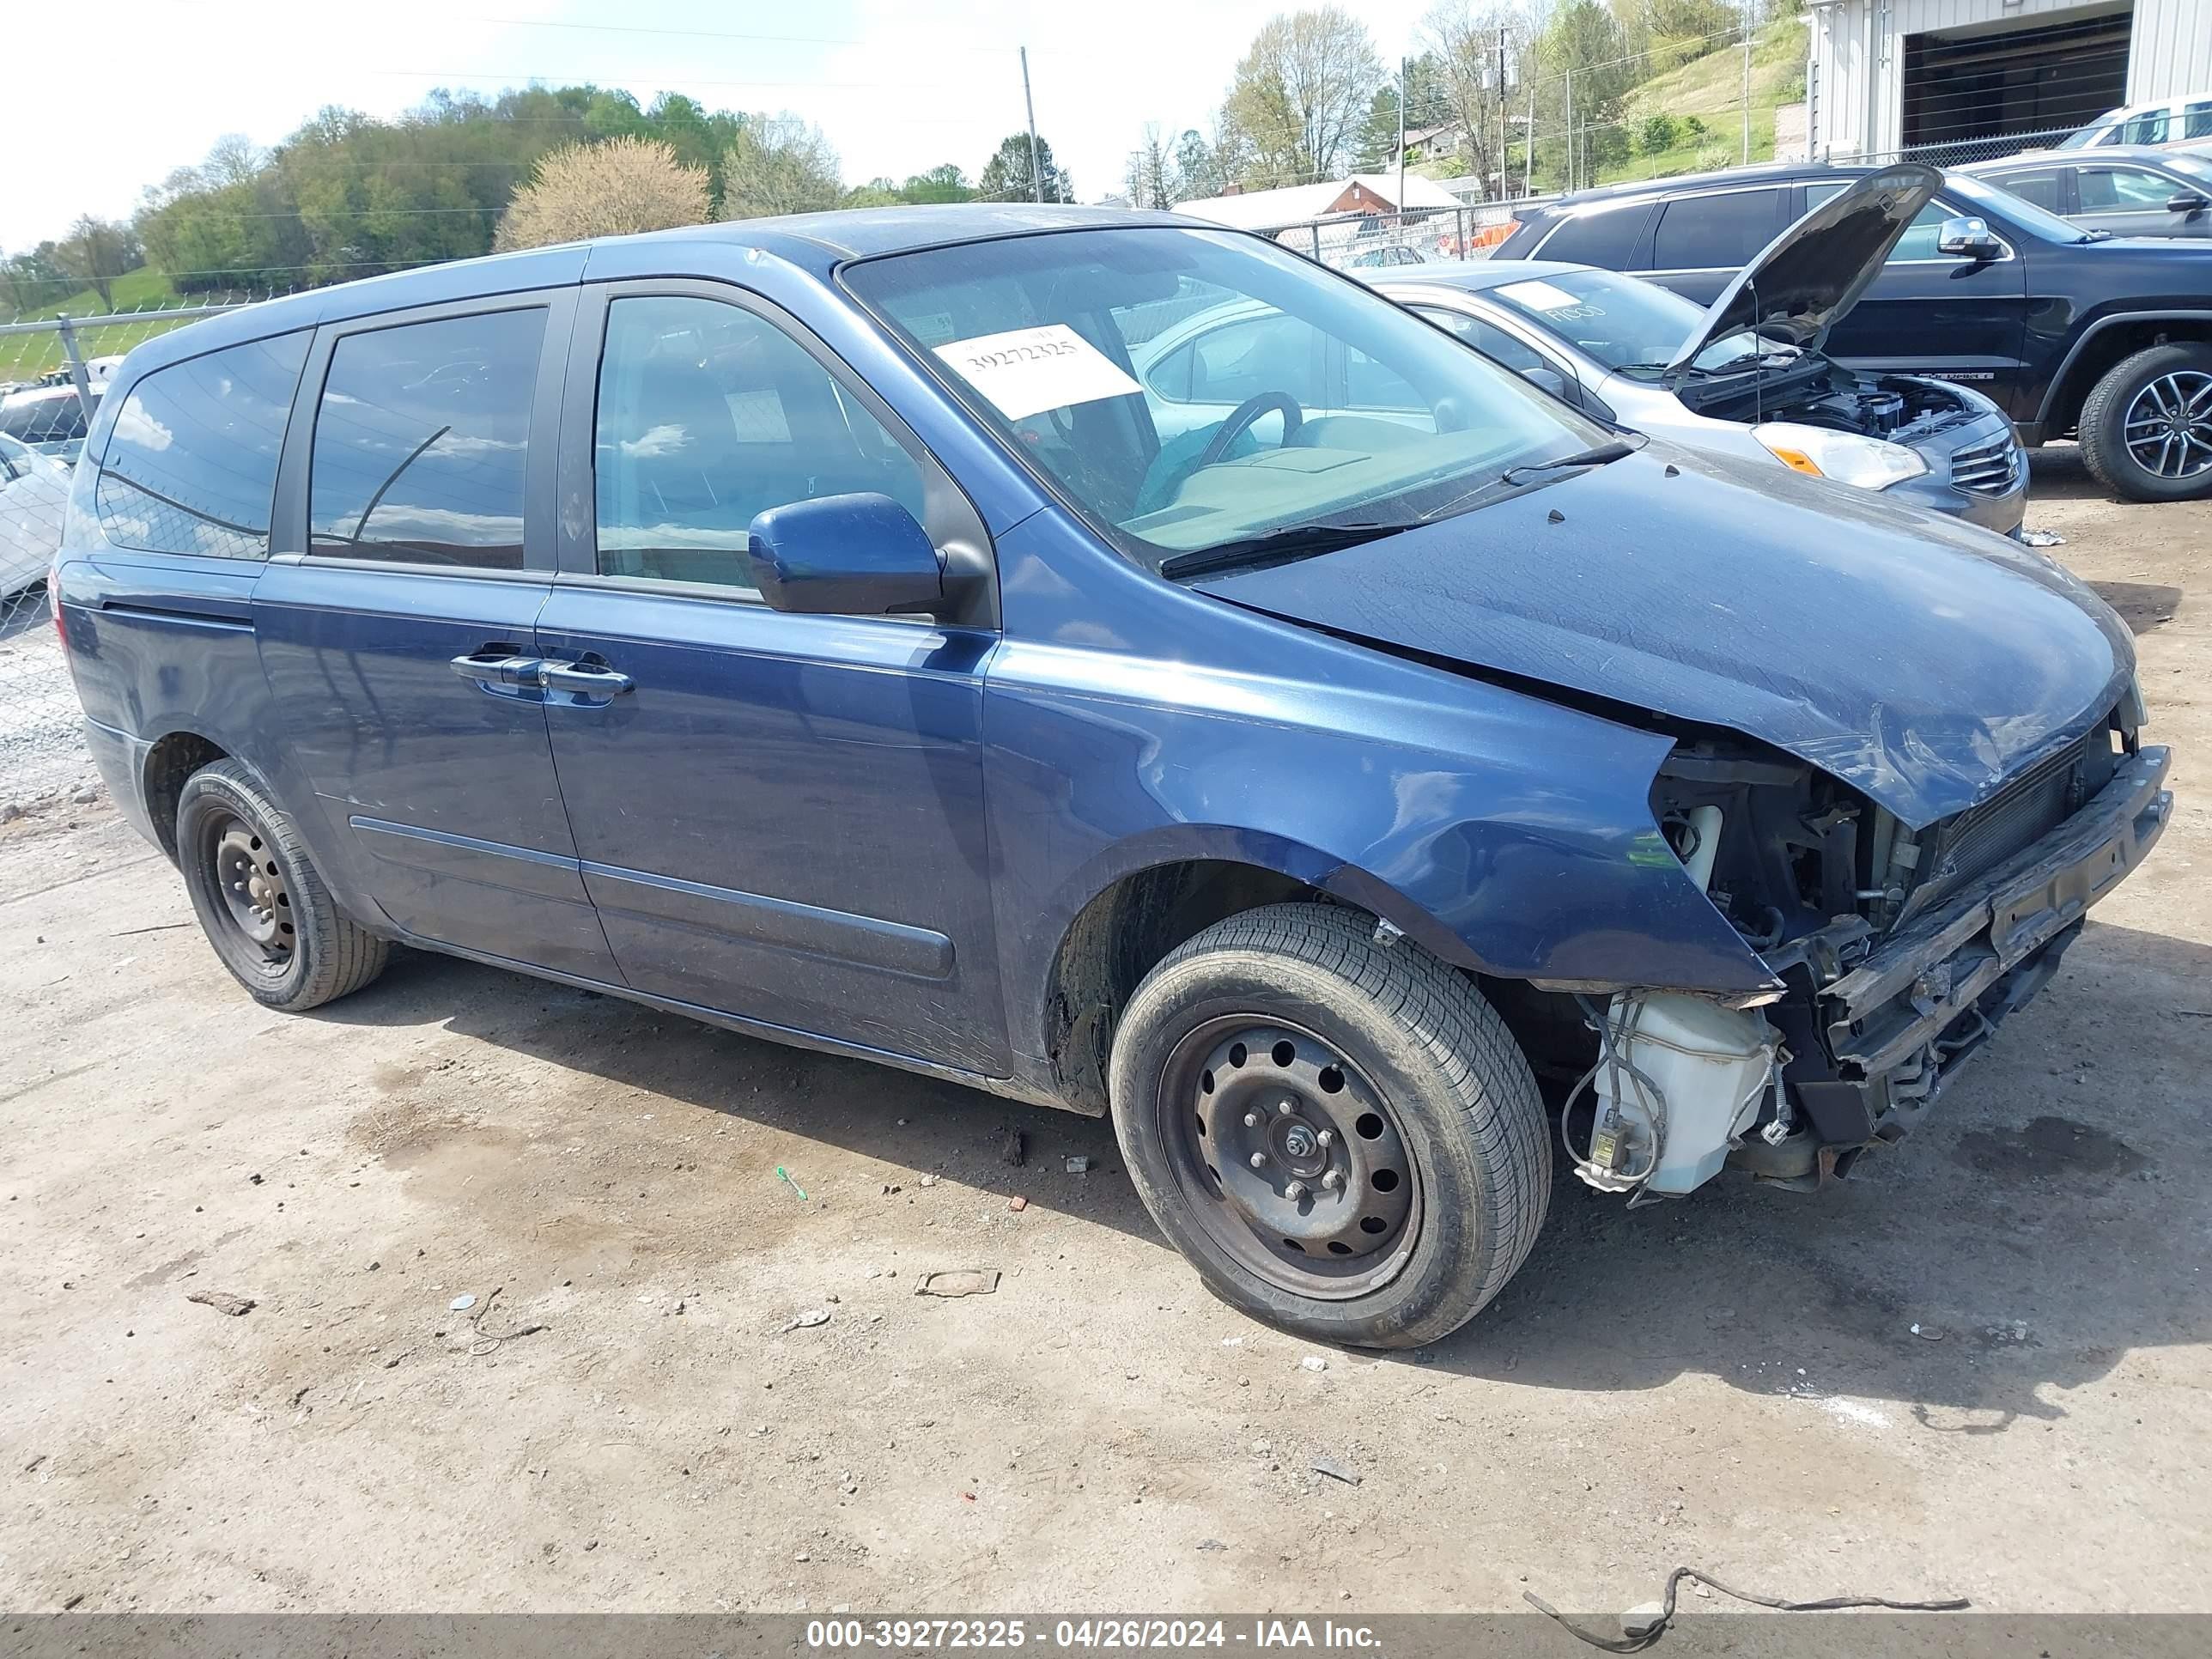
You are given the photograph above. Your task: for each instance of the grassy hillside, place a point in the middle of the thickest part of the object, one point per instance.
(136, 290)
(1711, 88)
(25, 356)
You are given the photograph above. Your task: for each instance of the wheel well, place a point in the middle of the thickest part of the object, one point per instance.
(2105, 348)
(1118, 938)
(173, 759)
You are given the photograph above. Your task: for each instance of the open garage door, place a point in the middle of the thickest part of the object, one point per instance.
(1969, 95)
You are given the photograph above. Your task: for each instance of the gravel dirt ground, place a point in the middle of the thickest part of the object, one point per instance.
(634, 1415)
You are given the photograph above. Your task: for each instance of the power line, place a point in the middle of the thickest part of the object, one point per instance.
(528, 77)
(725, 34)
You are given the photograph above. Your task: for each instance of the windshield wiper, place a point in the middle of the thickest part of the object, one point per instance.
(1596, 456)
(1297, 541)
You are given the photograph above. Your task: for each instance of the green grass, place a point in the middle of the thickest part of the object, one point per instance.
(135, 290)
(25, 356)
(1711, 88)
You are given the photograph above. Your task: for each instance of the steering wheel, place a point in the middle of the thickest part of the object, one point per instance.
(1241, 418)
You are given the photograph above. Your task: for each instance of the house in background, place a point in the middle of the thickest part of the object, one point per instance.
(1362, 194)
(1951, 81)
(1433, 143)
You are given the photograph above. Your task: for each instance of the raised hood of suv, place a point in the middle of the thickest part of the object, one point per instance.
(1920, 660)
(1804, 280)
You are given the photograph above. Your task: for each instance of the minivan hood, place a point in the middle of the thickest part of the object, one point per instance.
(1807, 278)
(1921, 660)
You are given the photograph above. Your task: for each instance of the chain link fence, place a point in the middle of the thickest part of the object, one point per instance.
(53, 372)
(1364, 241)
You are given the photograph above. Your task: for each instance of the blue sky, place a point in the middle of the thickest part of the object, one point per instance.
(898, 88)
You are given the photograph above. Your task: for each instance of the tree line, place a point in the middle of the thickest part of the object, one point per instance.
(350, 195)
(1311, 100)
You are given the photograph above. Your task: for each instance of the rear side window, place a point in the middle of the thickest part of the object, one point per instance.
(2045, 186)
(421, 442)
(1605, 238)
(190, 466)
(1490, 341)
(2197, 120)
(1232, 363)
(2148, 128)
(1705, 232)
(2117, 187)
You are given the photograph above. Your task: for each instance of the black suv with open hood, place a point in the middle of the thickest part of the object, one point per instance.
(2072, 334)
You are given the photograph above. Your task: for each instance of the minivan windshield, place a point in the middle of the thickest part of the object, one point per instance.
(1190, 390)
(1621, 322)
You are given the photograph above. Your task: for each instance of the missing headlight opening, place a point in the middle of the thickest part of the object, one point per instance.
(1896, 949)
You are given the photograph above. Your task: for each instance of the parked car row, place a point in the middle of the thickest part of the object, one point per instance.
(2071, 332)
(1748, 376)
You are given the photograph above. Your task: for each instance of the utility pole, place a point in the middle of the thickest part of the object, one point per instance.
(1747, 82)
(1401, 202)
(1036, 162)
(1504, 172)
(1528, 141)
(1571, 129)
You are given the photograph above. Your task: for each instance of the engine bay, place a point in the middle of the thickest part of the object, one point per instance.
(1900, 408)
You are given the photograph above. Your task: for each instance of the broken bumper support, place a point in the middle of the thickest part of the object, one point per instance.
(1921, 982)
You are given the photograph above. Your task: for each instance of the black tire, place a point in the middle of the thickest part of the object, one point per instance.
(1456, 1096)
(2105, 415)
(307, 952)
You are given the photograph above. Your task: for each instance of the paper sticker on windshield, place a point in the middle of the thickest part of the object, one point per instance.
(1026, 371)
(1538, 295)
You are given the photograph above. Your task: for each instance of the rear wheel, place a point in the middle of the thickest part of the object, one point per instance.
(1341, 1136)
(260, 900)
(2147, 427)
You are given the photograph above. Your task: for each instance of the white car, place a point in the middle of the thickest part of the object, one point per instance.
(1746, 377)
(2186, 119)
(33, 491)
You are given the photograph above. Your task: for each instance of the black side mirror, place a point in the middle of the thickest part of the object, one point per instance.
(1551, 381)
(2187, 201)
(853, 555)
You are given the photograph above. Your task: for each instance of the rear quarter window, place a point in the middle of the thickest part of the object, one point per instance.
(190, 465)
(1718, 232)
(1606, 238)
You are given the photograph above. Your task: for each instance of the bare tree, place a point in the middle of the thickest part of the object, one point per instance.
(1462, 40)
(1301, 95)
(234, 160)
(1151, 177)
(609, 189)
(96, 252)
(779, 164)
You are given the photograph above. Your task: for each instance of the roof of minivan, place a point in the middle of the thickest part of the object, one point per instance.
(817, 242)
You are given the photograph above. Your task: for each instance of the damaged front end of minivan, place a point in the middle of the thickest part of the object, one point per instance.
(1896, 954)
(1904, 759)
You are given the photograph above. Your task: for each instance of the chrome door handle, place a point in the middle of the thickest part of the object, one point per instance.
(585, 679)
(496, 667)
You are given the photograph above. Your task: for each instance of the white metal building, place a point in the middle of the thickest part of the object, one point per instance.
(1954, 80)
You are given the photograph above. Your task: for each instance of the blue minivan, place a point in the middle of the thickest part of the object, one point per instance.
(814, 627)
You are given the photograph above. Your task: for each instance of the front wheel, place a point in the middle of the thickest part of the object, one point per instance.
(259, 898)
(1341, 1136)
(2146, 426)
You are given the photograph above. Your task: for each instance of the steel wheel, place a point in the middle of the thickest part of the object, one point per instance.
(1296, 1164)
(254, 895)
(2168, 427)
